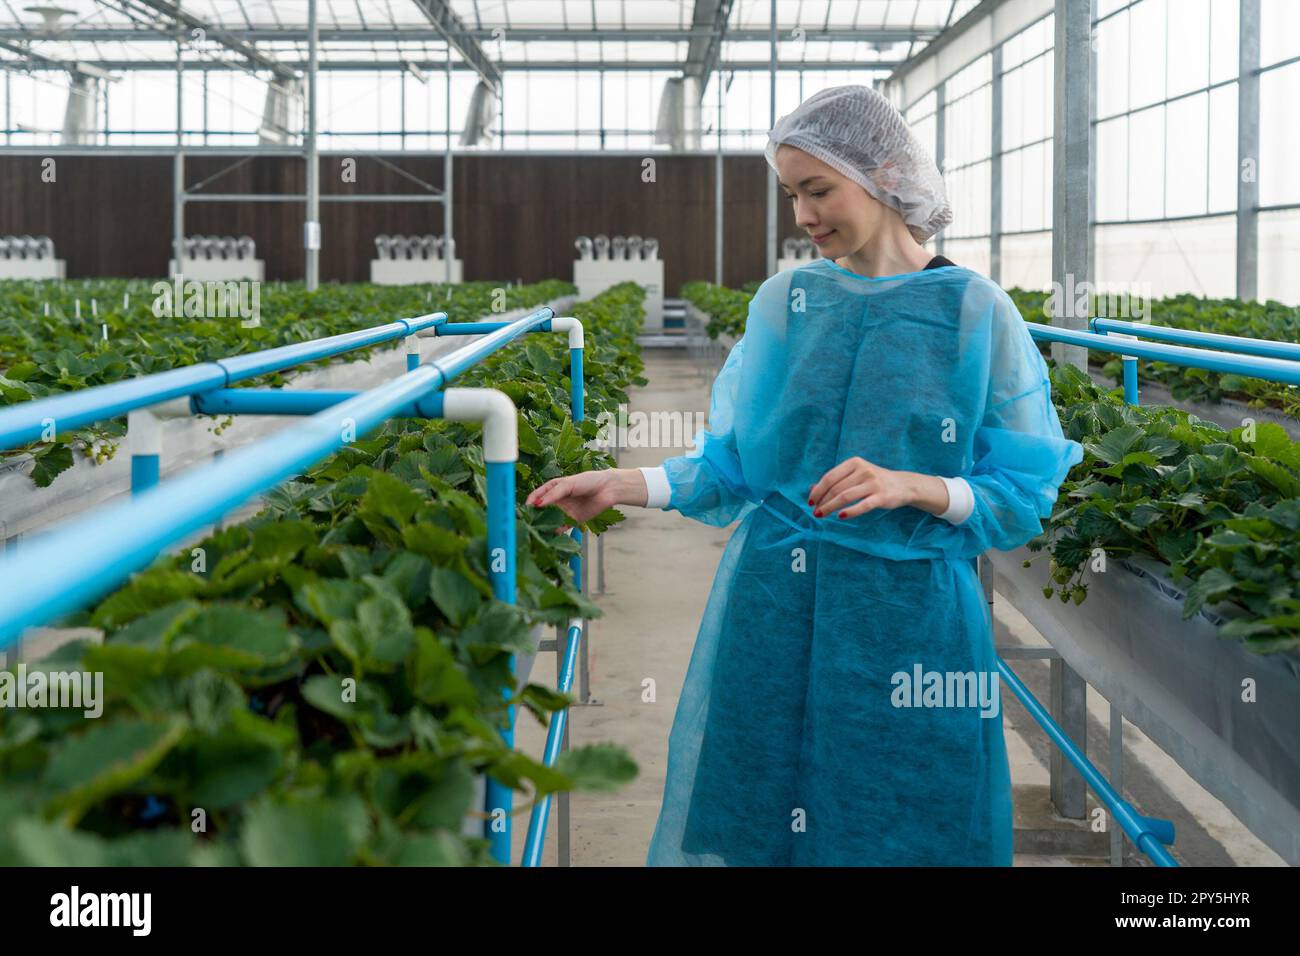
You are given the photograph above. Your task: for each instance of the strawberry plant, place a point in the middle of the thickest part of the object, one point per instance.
(320, 685)
(1257, 320)
(1221, 508)
(44, 355)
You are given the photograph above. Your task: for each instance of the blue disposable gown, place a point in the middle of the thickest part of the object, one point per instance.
(787, 746)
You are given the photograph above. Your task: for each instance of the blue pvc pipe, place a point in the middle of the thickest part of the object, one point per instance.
(1130, 366)
(554, 739)
(482, 328)
(501, 568)
(1148, 833)
(555, 734)
(577, 400)
(71, 565)
(144, 472)
(25, 423)
(284, 401)
(266, 401)
(462, 359)
(1274, 370)
(576, 392)
(1216, 340)
(1131, 381)
(240, 367)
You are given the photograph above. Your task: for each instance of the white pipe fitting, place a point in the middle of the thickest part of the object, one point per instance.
(571, 325)
(497, 413)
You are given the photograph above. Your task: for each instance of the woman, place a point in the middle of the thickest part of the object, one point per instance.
(885, 418)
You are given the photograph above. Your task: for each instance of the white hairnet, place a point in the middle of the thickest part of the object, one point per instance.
(856, 131)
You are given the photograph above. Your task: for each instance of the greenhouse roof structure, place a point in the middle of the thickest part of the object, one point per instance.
(487, 34)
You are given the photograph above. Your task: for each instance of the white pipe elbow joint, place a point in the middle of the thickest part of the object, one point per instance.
(572, 326)
(497, 413)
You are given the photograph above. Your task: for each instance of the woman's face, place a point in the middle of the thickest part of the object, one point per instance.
(838, 214)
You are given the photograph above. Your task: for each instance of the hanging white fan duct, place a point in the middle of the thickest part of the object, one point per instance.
(679, 114)
(481, 116)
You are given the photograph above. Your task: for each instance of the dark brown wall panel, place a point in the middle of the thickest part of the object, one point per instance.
(516, 216)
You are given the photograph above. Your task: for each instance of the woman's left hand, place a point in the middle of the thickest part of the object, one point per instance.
(858, 480)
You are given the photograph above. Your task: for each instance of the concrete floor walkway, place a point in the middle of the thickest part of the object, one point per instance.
(659, 568)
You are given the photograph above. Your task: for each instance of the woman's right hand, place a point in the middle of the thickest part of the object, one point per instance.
(587, 494)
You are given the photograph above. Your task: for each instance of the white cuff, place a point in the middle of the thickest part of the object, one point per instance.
(656, 482)
(961, 500)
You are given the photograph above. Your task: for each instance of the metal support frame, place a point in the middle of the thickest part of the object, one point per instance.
(700, 33)
(718, 209)
(311, 153)
(1073, 110)
(704, 53)
(995, 167)
(512, 66)
(447, 180)
(940, 149)
(452, 29)
(771, 173)
(1248, 152)
(178, 163)
(245, 48)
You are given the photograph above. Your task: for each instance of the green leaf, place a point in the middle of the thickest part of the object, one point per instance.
(236, 765)
(330, 599)
(21, 371)
(454, 595)
(529, 442)
(409, 576)
(1116, 444)
(51, 844)
(50, 463)
(148, 591)
(434, 676)
(428, 849)
(542, 701)
(1209, 587)
(601, 767)
(392, 499)
(312, 832)
(1132, 458)
(385, 626)
(326, 693)
(283, 539)
(107, 759)
(433, 542)
(229, 636)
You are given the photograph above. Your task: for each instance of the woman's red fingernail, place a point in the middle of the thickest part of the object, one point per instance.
(843, 513)
(817, 514)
